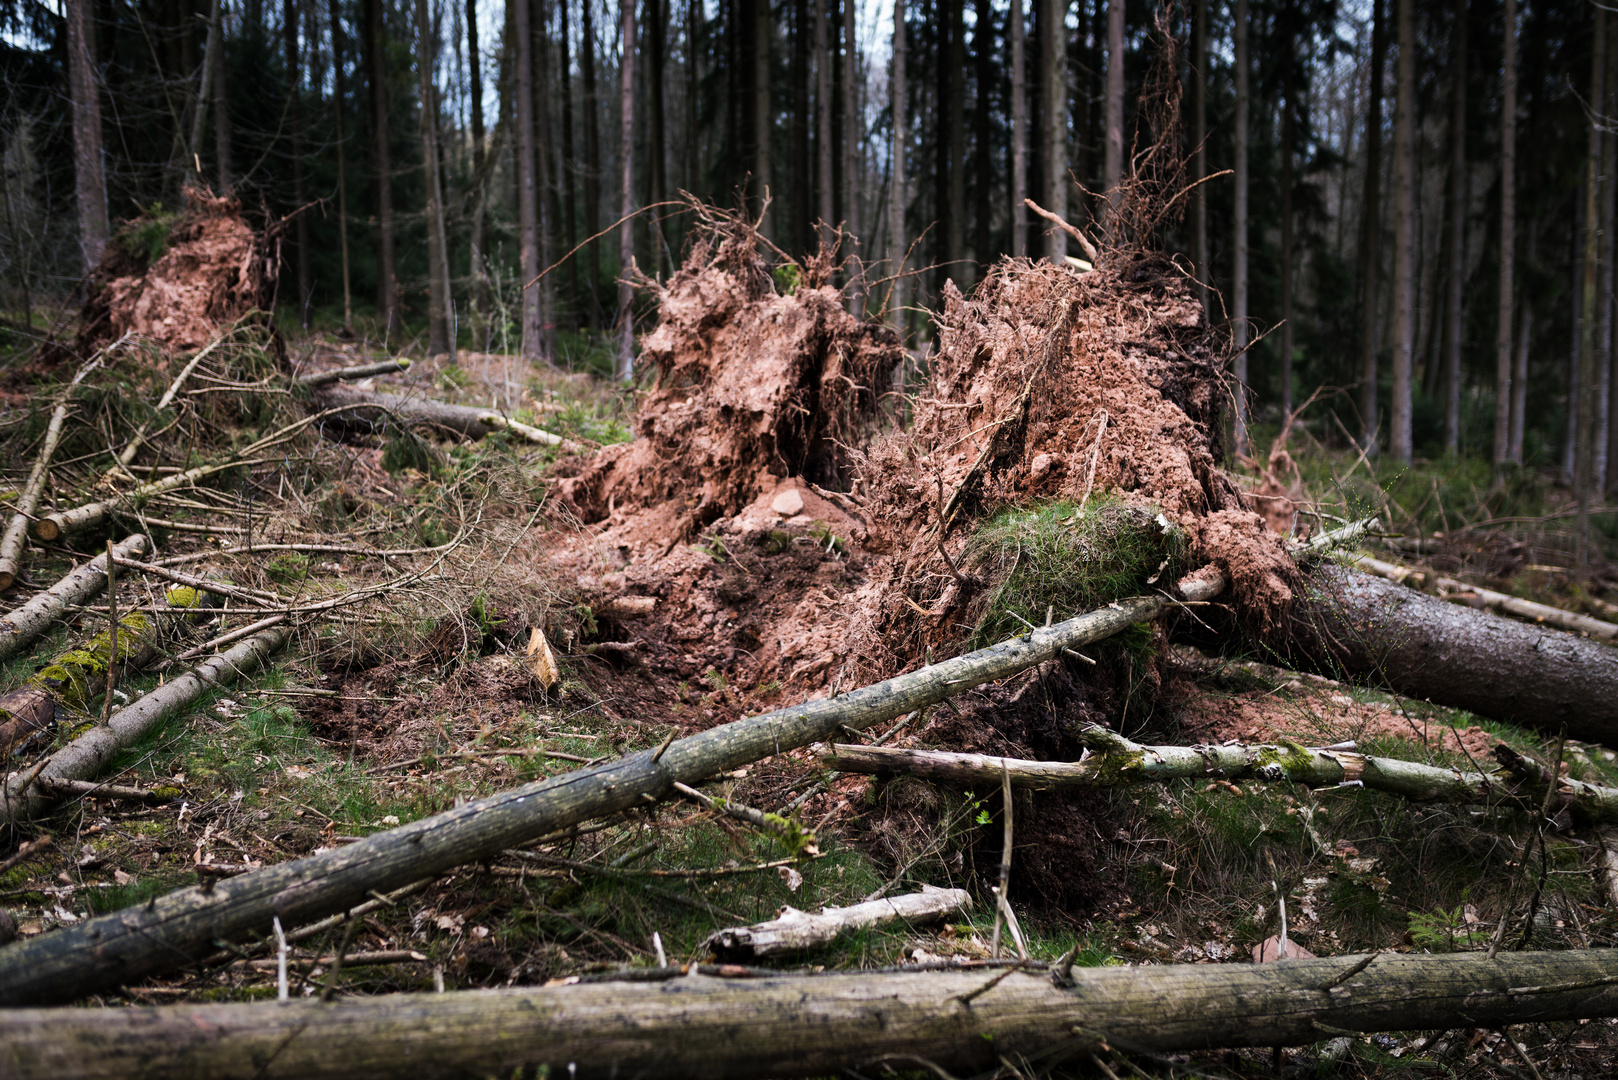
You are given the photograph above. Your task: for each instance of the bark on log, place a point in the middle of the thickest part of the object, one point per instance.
(1491, 600)
(359, 371)
(174, 930)
(76, 679)
(794, 930)
(88, 755)
(11, 545)
(464, 420)
(24, 626)
(817, 1025)
(1121, 763)
(1356, 624)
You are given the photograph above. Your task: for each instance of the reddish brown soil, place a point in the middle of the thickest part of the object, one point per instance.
(216, 270)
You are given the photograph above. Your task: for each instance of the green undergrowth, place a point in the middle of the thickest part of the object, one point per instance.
(1057, 560)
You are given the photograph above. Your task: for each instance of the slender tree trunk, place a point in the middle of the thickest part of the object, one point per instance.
(1053, 114)
(1570, 425)
(210, 66)
(90, 183)
(983, 127)
(593, 176)
(900, 199)
(221, 115)
(763, 109)
(1112, 166)
(626, 154)
(1457, 237)
(339, 106)
(477, 269)
(291, 25)
(545, 212)
(527, 182)
(1400, 434)
(1519, 372)
(802, 161)
(1019, 131)
(1371, 237)
(1199, 155)
(657, 151)
(1289, 149)
(952, 217)
(1607, 436)
(853, 127)
(1507, 434)
(823, 178)
(1238, 290)
(440, 339)
(387, 277)
(1584, 475)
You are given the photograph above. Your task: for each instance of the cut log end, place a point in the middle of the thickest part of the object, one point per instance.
(47, 530)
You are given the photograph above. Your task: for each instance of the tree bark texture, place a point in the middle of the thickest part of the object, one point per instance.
(24, 626)
(366, 408)
(1198, 77)
(92, 752)
(1504, 444)
(1019, 131)
(1112, 165)
(387, 276)
(794, 930)
(1359, 625)
(1119, 762)
(339, 106)
(626, 190)
(11, 545)
(786, 1025)
(527, 182)
(440, 335)
(826, 212)
(1401, 416)
(1053, 113)
(174, 930)
(290, 25)
(900, 198)
(89, 178)
(1494, 601)
(1371, 237)
(1454, 327)
(1238, 288)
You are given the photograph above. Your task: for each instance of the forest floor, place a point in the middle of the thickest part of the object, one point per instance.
(680, 592)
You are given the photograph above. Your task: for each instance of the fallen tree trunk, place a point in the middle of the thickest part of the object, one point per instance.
(1358, 625)
(76, 679)
(1120, 763)
(174, 930)
(464, 420)
(358, 371)
(24, 626)
(794, 930)
(89, 755)
(1491, 600)
(816, 1025)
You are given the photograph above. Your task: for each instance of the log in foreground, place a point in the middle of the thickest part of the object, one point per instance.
(697, 1026)
(1356, 624)
(88, 755)
(24, 626)
(180, 928)
(1121, 763)
(794, 930)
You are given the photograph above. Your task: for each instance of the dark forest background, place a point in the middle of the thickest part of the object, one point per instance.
(1428, 188)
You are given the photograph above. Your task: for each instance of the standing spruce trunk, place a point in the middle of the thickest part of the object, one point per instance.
(1198, 76)
(477, 269)
(1400, 420)
(527, 185)
(546, 210)
(1507, 449)
(656, 137)
(626, 193)
(568, 174)
(594, 180)
(1019, 131)
(1053, 117)
(221, 116)
(826, 212)
(339, 106)
(900, 198)
(1585, 478)
(852, 128)
(952, 147)
(1457, 236)
(1608, 438)
(90, 182)
(1289, 150)
(387, 275)
(1371, 236)
(1112, 161)
(696, 1025)
(1238, 290)
(1356, 625)
(291, 24)
(440, 337)
(762, 110)
(983, 128)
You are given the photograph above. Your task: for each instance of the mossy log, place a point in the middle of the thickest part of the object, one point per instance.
(182, 927)
(1119, 762)
(24, 626)
(956, 1022)
(73, 682)
(467, 421)
(88, 755)
(1350, 624)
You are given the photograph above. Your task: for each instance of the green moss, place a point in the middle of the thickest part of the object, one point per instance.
(1061, 560)
(71, 675)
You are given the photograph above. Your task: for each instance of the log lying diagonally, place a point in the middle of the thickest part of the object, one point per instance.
(1120, 763)
(466, 420)
(959, 1021)
(24, 626)
(89, 755)
(174, 930)
(1353, 624)
(1493, 601)
(794, 930)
